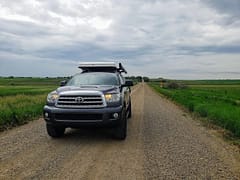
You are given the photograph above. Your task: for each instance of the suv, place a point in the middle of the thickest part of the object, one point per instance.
(99, 95)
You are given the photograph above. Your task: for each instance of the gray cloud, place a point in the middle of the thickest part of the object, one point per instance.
(210, 49)
(226, 6)
(145, 35)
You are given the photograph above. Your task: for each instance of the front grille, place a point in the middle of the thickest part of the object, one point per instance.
(78, 117)
(80, 101)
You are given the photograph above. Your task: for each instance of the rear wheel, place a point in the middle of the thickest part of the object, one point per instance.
(120, 132)
(55, 131)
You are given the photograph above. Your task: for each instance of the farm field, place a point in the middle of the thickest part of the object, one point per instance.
(22, 99)
(218, 100)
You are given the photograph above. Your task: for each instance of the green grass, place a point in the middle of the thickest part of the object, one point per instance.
(19, 109)
(22, 99)
(210, 82)
(18, 81)
(219, 103)
(26, 90)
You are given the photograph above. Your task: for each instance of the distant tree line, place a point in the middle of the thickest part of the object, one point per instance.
(138, 78)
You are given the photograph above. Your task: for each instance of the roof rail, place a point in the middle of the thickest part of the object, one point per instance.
(102, 67)
(121, 68)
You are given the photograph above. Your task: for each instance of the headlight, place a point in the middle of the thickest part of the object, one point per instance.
(112, 97)
(52, 97)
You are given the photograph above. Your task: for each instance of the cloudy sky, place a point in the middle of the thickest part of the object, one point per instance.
(183, 39)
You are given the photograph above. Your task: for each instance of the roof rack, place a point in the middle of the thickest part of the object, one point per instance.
(102, 67)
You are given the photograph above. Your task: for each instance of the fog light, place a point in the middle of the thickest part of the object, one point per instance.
(46, 114)
(115, 115)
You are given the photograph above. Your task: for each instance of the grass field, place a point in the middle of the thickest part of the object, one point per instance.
(22, 99)
(218, 101)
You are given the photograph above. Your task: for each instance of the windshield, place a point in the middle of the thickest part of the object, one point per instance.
(94, 79)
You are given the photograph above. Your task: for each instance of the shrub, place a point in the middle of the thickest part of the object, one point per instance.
(174, 85)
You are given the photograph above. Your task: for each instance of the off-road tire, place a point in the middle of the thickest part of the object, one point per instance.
(55, 131)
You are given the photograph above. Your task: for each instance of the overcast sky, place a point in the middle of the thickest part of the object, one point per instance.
(181, 39)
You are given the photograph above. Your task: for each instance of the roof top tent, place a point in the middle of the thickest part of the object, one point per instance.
(101, 67)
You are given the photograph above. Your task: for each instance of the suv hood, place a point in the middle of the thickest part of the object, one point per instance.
(103, 89)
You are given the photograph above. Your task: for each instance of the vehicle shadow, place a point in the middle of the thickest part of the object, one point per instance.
(89, 134)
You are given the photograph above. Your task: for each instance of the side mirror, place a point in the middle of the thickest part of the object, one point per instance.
(128, 83)
(63, 83)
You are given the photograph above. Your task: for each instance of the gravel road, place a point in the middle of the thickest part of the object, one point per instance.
(163, 142)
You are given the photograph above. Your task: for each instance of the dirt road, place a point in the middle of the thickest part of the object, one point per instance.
(163, 143)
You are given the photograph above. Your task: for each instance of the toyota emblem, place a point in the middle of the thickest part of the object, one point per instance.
(79, 100)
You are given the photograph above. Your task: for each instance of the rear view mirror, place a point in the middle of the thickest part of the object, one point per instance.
(63, 83)
(128, 83)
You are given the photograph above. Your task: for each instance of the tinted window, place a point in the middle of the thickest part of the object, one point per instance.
(94, 79)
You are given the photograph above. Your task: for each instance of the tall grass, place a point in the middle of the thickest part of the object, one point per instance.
(16, 110)
(220, 105)
(22, 99)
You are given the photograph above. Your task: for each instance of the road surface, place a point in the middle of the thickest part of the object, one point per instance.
(163, 142)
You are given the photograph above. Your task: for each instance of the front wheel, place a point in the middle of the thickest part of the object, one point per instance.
(120, 132)
(130, 110)
(55, 131)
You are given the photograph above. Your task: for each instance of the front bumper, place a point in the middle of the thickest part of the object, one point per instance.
(81, 117)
